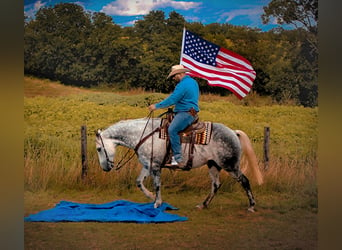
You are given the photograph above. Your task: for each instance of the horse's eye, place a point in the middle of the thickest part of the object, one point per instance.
(98, 149)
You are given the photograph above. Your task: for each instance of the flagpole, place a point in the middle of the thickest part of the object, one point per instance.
(182, 45)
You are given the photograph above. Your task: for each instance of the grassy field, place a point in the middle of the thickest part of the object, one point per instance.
(286, 216)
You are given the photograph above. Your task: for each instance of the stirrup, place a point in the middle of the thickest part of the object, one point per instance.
(175, 164)
(173, 161)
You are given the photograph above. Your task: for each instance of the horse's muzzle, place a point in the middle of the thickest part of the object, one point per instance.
(109, 167)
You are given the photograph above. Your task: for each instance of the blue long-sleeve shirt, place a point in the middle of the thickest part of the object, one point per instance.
(184, 97)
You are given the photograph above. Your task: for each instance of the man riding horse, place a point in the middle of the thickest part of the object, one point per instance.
(185, 98)
(222, 151)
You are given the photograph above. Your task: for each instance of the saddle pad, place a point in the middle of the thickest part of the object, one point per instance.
(200, 138)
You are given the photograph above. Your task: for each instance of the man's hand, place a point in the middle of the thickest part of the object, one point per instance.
(152, 107)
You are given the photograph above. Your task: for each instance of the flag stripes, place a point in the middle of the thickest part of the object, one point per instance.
(219, 66)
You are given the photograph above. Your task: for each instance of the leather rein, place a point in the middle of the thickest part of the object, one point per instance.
(141, 141)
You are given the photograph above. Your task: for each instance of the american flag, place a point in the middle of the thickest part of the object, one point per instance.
(219, 66)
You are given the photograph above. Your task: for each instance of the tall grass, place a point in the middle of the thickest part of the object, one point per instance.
(52, 158)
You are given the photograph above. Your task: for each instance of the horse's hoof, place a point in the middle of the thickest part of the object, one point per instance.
(251, 209)
(200, 207)
(157, 204)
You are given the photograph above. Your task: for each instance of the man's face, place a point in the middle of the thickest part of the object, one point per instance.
(177, 77)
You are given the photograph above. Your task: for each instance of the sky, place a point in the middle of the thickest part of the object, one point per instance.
(126, 12)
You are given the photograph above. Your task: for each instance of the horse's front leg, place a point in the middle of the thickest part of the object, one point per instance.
(156, 172)
(215, 185)
(140, 183)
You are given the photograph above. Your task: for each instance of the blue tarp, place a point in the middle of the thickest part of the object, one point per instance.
(115, 211)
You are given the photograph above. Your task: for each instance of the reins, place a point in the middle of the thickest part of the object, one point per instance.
(105, 151)
(141, 141)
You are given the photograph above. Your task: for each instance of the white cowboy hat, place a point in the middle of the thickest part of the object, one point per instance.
(177, 69)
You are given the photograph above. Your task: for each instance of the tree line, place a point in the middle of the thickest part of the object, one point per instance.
(80, 48)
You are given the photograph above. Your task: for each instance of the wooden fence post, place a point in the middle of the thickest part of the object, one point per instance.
(266, 147)
(84, 151)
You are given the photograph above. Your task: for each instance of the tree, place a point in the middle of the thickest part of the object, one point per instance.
(52, 42)
(175, 22)
(66, 43)
(153, 23)
(303, 15)
(300, 13)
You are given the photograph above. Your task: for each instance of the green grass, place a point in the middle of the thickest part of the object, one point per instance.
(52, 138)
(286, 216)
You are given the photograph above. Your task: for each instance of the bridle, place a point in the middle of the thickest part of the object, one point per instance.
(141, 141)
(109, 162)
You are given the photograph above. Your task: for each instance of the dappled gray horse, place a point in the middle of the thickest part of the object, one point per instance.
(223, 152)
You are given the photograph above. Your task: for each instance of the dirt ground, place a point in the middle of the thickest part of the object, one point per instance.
(277, 224)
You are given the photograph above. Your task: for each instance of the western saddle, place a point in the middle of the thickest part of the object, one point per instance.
(188, 135)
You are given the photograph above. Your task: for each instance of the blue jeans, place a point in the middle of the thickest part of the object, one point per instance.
(179, 123)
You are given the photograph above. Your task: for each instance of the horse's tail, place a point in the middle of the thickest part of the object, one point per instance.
(250, 154)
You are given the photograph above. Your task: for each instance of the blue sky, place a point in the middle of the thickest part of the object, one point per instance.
(125, 12)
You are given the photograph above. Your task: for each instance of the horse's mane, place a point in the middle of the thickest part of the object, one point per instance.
(144, 119)
(121, 123)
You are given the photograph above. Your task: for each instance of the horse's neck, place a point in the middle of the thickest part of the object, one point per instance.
(128, 133)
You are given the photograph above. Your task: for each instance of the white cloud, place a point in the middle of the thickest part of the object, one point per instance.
(38, 5)
(194, 19)
(31, 9)
(80, 3)
(180, 5)
(253, 14)
(143, 7)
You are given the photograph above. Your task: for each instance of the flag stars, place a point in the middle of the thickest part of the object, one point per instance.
(203, 51)
(233, 73)
(200, 49)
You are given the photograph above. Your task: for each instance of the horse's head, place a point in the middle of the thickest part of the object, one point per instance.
(105, 151)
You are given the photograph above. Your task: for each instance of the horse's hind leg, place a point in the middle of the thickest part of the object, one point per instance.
(215, 185)
(140, 183)
(243, 180)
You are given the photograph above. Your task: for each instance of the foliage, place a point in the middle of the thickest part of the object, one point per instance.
(66, 43)
(296, 12)
(300, 13)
